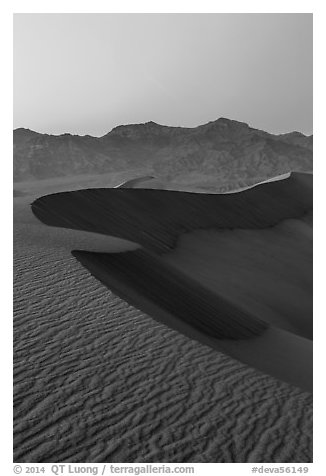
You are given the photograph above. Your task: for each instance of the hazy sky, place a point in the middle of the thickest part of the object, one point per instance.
(87, 73)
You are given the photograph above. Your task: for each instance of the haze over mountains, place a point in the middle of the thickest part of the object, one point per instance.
(224, 151)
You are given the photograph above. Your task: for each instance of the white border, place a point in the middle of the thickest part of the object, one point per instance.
(168, 6)
(159, 6)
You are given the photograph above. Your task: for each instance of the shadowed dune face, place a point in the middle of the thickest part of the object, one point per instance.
(157, 219)
(176, 300)
(151, 279)
(265, 272)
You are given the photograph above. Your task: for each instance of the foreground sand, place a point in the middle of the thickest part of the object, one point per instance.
(97, 380)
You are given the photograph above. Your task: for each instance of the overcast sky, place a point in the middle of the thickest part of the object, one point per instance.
(87, 73)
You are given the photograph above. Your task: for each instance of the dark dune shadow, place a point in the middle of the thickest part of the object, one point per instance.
(145, 276)
(155, 218)
(176, 300)
(267, 273)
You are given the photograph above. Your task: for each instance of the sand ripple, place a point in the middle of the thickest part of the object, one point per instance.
(96, 380)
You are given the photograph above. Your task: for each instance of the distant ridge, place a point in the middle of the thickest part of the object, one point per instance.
(223, 151)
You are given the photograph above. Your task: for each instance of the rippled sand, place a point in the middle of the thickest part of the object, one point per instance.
(97, 380)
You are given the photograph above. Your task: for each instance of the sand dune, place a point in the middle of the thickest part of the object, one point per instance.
(141, 182)
(214, 289)
(151, 182)
(96, 380)
(132, 214)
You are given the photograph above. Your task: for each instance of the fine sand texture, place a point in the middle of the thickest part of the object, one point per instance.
(97, 380)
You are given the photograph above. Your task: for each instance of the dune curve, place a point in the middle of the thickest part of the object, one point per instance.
(155, 219)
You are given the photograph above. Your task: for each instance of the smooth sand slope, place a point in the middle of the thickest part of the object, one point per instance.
(186, 185)
(147, 181)
(96, 380)
(268, 272)
(156, 218)
(185, 305)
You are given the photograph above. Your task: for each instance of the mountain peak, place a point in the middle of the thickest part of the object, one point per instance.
(292, 134)
(231, 122)
(22, 135)
(152, 123)
(225, 122)
(136, 131)
(23, 130)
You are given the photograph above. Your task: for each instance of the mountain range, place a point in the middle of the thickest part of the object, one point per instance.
(222, 152)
